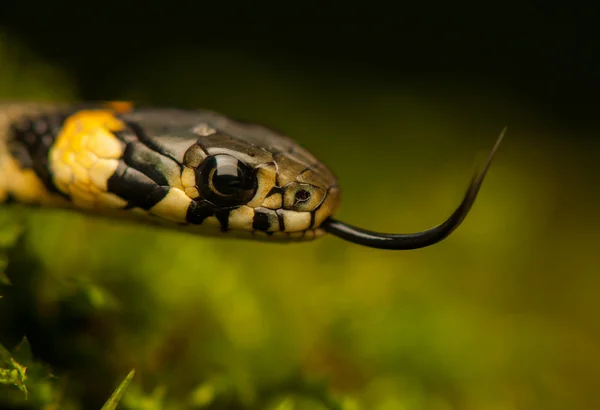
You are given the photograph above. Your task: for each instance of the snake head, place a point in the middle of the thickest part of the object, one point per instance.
(234, 177)
(263, 184)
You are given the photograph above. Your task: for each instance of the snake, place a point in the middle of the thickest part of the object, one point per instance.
(193, 170)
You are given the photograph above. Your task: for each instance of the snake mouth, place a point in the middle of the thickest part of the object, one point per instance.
(285, 237)
(419, 239)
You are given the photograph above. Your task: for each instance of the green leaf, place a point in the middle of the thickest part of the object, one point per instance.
(12, 372)
(114, 399)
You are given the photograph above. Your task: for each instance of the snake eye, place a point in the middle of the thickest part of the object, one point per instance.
(226, 181)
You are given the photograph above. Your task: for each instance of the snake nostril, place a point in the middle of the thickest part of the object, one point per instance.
(302, 195)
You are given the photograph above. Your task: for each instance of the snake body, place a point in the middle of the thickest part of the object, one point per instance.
(194, 170)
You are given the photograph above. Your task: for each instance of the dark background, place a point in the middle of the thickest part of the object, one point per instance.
(548, 57)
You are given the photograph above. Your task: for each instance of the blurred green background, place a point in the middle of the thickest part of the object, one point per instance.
(502, 315)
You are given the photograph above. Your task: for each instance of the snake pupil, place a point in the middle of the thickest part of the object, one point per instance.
(225, 181)
(229, 179)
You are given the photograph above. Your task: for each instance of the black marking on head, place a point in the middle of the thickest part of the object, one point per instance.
(281, 221)
(305, 170)
(261, 221)
(200, 142)
(312, 218)
(135, 187)
(143, 159)
(125, 136)
(145, 139)
(30, 140)
(157, 195)
(275, 190)
(198, 211)
(222, 216)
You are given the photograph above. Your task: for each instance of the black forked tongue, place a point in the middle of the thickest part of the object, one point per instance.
(419, 239)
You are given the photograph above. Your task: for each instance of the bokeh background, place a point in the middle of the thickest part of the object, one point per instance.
(502, 315)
